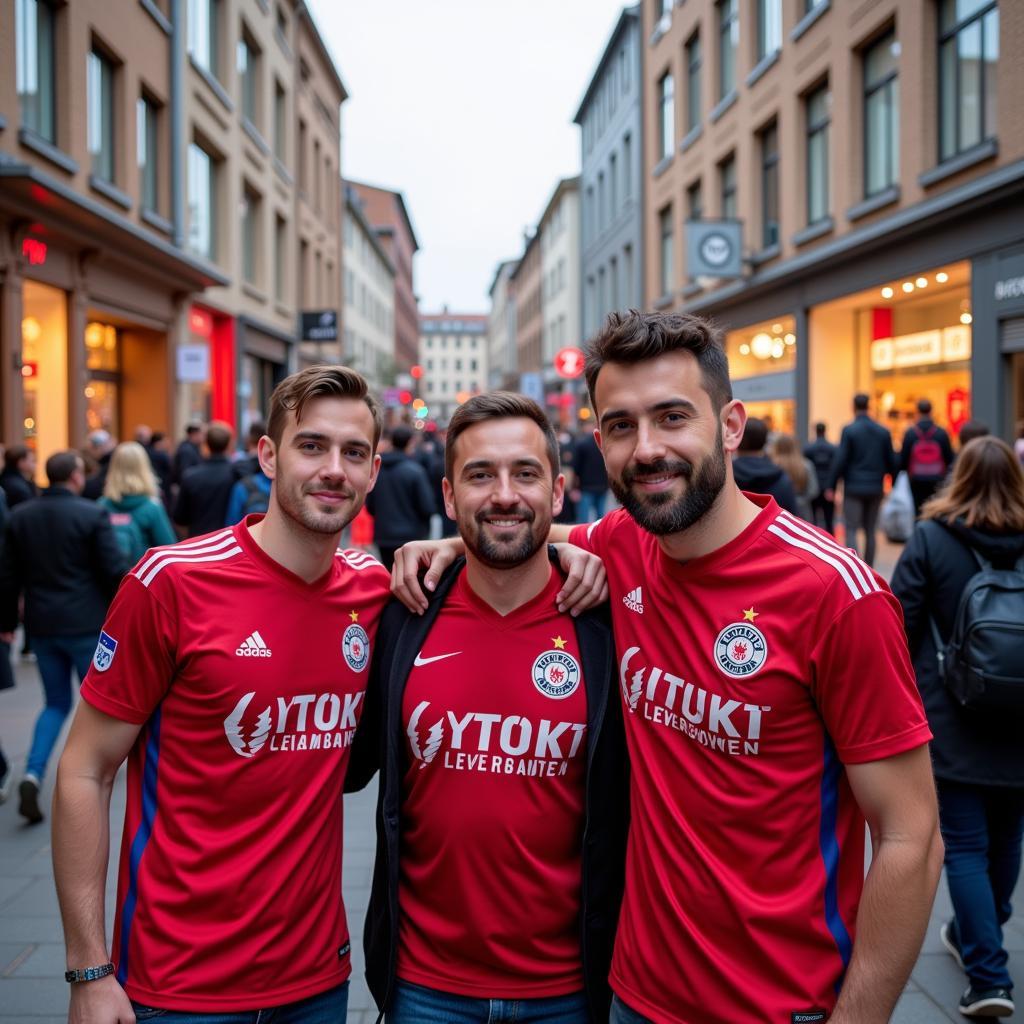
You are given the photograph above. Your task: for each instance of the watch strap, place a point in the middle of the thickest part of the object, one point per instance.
(88, 973)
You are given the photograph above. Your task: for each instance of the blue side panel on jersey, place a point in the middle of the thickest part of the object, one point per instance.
(830, 778)
(145, 830)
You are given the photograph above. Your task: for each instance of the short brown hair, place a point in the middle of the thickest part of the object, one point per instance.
(292, 394)
(219, 436)
(635, 337)
(499, 405)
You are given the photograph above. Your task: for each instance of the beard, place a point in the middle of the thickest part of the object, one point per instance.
(508, 551)
(666, 513)
(294, 505)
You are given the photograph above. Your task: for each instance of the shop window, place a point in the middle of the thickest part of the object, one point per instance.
(202, 202)
(102, 361)
(204, 34)
(36, 63)
(666, 270)
(44, 367)
(769, 27)
(666, 116)
(728, 40)
(770, 186)
(881, 115)
(693, 64)
(968, 55)
(100, 73)
(727, 187)
(818, 114)
(762, 358)
(147, 114)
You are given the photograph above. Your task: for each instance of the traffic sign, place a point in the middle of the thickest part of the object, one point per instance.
(569, 363)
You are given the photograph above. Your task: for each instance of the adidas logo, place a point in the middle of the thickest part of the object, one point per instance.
(634, 601)
(253, 647)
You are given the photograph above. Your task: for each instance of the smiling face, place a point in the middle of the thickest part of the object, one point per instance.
(324, 465)
(501, 493)
(663, 441)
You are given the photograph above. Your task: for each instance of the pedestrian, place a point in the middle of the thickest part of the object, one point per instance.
(977, 754)
(591, 477)
(507, 871)
(100, 449)
(18, 477)
(757, 750)
(786, 454)
(926, 455)
(6, 672)
(132, 497)
(155, 443)
(202, 502)
(249, 495)
(571, 492)
(430, 455)
(865, 458)
(61, 553)
(401, 503)
(822, 454)
(970, 430)
(756, 473)
(189, 452)
(247, 463)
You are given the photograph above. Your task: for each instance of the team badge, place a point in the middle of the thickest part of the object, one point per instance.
(105, 651)
(355, 645)
(740, 649)
(556, 674)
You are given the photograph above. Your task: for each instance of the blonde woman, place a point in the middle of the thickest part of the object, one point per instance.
(131, 495)
(786, 454)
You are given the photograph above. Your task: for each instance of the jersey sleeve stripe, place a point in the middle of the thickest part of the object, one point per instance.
(593, 526)
(860, 570)
(830, 853)
(214, 542)
(148, 579)
(818, 553)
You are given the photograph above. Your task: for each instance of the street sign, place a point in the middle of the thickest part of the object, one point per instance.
(532, 385)
(320, 325)
(569, 363)
(193, 363)
(714, 248)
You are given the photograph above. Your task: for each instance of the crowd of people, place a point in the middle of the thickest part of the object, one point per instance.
(622, 778)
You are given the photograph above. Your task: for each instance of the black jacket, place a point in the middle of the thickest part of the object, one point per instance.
(757, 473)
(911, 437)
(62, 553)
(864, 459)
(17, 488)
(202, 503)
(186, 456)
(969, 746)
(379, 744)
(822, 454)
(95, 484)
(401, 501)
(588, 465)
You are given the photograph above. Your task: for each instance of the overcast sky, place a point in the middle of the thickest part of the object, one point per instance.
(466, 107)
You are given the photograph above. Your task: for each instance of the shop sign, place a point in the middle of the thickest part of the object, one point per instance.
(1010, 285)
(200, 322)
(926, 348)
(714, 248)
(958, 408)
(956, 344)
(1010, 288)
(779, 386)
(193, 363)
(34, 251)
(532, 385)
(320, 325)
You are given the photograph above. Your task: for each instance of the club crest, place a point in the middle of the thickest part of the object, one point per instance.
(105, 651)
(556, 674)
(740, 649)
(355, 645)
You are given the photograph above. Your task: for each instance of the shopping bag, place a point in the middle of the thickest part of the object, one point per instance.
(897, 516)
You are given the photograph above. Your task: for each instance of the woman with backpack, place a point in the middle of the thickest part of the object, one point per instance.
(960, 581)
(131, 495)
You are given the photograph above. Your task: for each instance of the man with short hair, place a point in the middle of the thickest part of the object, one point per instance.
(755, 472)
(926, 455)
(101, 448)
(202, 502)
(495, 724)
(189, 452)
(822, 453)
(18, 477)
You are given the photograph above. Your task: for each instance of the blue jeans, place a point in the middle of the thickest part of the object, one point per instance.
(56, 656)
(981, 827)
(591, 505)
(330, 1007)
(414, 1004)
(623, 1014)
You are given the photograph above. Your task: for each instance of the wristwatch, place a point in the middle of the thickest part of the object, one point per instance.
(89, 973)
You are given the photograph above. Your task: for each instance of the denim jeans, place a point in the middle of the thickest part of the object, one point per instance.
(56, 656)
(330, 1007)
(414, 1004)
(623, 1014)
(981, 827)
(591, 505)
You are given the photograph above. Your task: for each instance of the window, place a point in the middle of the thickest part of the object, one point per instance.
(316, 175)
(666, 270)
(769, 27)
(350, 289)
(666, 115)
(627, 166)
(881, 115)
(147, 146)
(35, 67)
(728, 40)
(613, 277)
(627, 276)
(280, 256)
(250, 234)
(818, 105)
(202, 33)
(100, 117)
(613, 183)
(770, 186)
(695, 201)
(600, 202)
(280, 121)
(303, 183)
(968, 52)
(248, 56)
(693, 62)
(727, 183)
(202, 202)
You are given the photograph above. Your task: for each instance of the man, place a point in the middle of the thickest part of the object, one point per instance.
(770, 708)
(755, 472)
(189, 452)
(202, 502)
(822, 453)
(61, 553)
(100, 447)
(159, 457)
(926, 455)
(18, 477)
(864, 460)
(403, 502)
(591, 477)
(230, 672)
(504, 765)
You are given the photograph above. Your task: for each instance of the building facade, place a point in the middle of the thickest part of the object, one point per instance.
(369, 287)
(453, 354)
(612, 179)
(501, 329)
(527, 280)
(892, 262)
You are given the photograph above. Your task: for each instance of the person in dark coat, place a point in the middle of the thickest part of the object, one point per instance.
(401, 501)
(430, 455)
(978, 756)
(202, 503)
(6, 672)
(61, 552)
(591, 478)
(822, 454)
(928, 468)
(864, 460)
(189, 452)
(755, 472)
(17, 479)
(154, 441)
(101, 449)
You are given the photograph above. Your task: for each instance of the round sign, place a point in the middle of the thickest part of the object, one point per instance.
(716, 249)
(569, 362)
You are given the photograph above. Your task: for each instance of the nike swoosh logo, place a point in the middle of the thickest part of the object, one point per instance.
(420, 660)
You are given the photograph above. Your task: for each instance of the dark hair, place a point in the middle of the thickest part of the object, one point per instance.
(256, 430)
(193, 428)
(292, 394)
(972, 429)
(158, 436)
(498, 405)
(14, 455)
(924, 407)
(755, 435)
(860, 402)
(61, 465)
(400, 437)
(636, 337)
(218, 437)
(819, 429)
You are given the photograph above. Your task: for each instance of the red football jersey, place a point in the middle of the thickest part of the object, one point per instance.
(249, 684)
(495, 713)
(749, 678)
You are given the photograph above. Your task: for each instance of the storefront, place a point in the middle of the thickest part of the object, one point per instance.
(762, 364)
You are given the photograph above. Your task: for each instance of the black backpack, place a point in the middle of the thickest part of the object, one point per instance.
(256, 499)
(983, 663)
